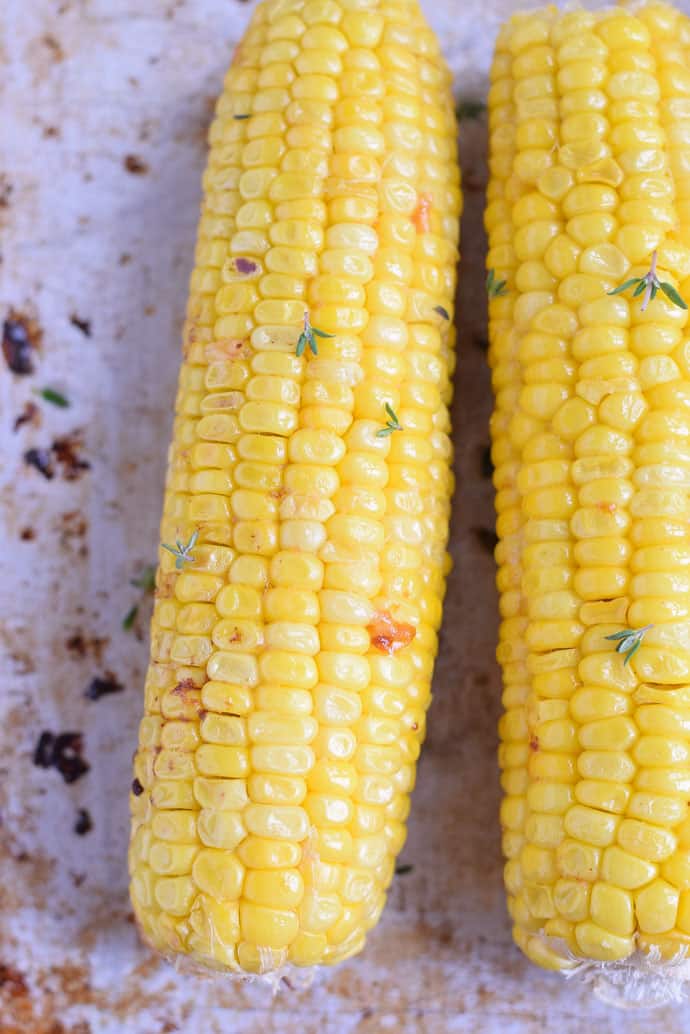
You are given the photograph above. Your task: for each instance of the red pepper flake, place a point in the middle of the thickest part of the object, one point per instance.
(389, 635)
(421, 214)
(21, 336)
(84, 823)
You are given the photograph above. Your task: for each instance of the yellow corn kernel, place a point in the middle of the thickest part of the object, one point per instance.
(656, 907)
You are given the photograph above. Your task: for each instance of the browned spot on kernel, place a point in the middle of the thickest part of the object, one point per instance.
(534, 742)
(607, 507)
(421, 214)
(389, 635)
(164, 588)
(182, 688)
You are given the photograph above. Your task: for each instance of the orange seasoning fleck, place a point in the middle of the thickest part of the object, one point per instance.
(224, 348)
(421, 214)
(389, 635)
(607, 507)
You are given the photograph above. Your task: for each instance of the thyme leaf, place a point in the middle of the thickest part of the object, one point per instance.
(495, 288)
(182, 553)
(649, 285)
(629, 641)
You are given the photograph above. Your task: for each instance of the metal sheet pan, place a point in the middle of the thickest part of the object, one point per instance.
(104, 106)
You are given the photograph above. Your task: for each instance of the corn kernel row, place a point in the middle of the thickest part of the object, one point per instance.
(590, 174)
(284, 712)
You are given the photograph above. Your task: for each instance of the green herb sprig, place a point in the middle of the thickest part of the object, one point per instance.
(392, 424)
(308, 337)
(496, 288)
(470, 108)
(182, 554)
(629, 641)
(146, 581)
(649, 285)
(56, 398)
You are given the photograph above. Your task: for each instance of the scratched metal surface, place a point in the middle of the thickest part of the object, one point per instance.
(104, 106)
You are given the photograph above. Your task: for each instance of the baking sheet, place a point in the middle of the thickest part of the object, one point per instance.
(104, 106)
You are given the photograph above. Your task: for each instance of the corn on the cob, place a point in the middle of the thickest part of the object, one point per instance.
(589, 201)
(295, 622)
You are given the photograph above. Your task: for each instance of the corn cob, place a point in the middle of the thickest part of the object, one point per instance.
(295, 621)
(588, 217)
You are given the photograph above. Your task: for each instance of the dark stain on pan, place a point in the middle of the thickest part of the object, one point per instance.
(134, 164)
(21, 338)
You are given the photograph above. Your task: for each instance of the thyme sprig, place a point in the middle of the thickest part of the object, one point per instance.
(496, 288)
(52, 395)
(629, 641)
(308, 337)
(392, 424)
(182, 553)
(146, 581)
(470, 108)
(649, 285)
